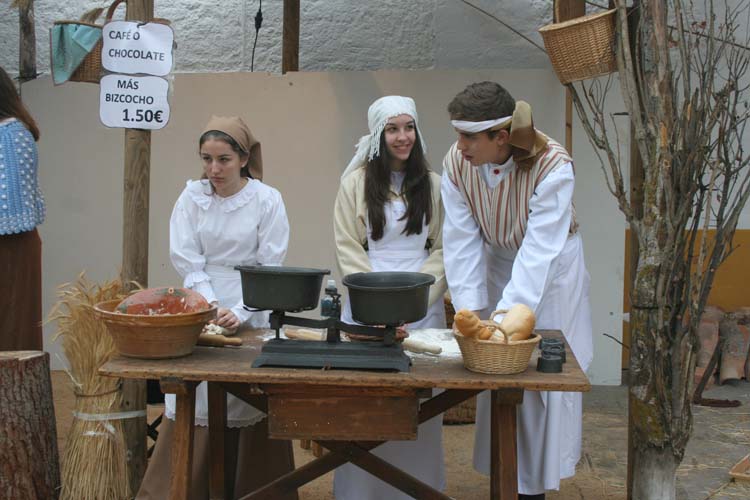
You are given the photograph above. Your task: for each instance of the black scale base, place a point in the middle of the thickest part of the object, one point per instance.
(341, 355)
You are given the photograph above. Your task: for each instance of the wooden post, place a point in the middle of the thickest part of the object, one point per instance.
(26, 42)
(135, 260)
(569, 9)
(290, 40)
(565, 10)
(29, 464)
(504, 445)
(637, 178)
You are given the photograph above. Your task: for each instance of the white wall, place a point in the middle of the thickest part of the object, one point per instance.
(308, 124)
(334, 34)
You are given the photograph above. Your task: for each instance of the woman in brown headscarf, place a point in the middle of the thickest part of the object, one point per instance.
(227, 218)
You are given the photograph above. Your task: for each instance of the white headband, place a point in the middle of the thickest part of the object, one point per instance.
(474, 127)
(380, 111)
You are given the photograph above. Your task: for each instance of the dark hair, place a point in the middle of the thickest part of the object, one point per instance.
(482, 101)
(11, 105)
(417, 189)
(221, 136)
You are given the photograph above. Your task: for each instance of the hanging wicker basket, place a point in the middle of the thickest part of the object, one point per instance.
(90, 69)
(583, 47)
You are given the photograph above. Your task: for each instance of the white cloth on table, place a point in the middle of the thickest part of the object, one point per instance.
(422, 458)
(549, 275)
(208, 236)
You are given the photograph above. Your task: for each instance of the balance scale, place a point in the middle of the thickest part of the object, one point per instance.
(387, 300)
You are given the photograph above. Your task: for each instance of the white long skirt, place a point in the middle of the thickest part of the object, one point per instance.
(422, 458)
(549, 423)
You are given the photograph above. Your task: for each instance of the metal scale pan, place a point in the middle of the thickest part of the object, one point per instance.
(387, 300)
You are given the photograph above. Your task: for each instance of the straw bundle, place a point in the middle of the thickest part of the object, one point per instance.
(94, 463)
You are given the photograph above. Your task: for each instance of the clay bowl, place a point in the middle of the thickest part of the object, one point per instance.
(153, 337)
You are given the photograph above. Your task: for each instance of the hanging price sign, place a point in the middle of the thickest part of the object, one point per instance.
(133, 102)
(133, 47)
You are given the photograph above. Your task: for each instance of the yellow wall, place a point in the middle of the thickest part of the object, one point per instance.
(729, 290)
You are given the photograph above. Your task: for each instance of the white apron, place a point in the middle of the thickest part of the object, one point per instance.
(227, 286)
(422, 458)
(549, 423)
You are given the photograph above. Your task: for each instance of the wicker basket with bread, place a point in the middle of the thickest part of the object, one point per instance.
(501, 348)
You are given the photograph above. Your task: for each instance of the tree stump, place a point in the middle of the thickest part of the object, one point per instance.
(29, 464)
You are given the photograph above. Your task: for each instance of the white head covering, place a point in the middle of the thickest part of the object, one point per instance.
(474, 127)
(368, 146)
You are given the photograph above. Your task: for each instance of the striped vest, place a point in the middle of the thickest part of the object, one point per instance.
(502, 213)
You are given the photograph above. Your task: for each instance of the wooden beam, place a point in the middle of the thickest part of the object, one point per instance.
(569, 9)
(563, 11)
(182, 447)
(135, 213)
(637, 177)
(290, 40)
(503, 454)
(26, 42)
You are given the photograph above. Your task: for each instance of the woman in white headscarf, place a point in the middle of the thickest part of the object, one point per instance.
(388, 217)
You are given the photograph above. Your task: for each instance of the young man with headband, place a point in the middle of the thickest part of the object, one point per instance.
(510, 236)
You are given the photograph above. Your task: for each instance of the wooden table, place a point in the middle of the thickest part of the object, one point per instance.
(348, 412)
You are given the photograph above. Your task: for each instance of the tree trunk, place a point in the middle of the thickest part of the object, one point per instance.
(685, 102)
(657, 438)
(654, 474)
(29, 465)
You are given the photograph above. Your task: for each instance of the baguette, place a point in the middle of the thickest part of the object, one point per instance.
(419, 346)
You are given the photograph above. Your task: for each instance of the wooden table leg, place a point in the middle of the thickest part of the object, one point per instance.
(503, 460)
(220, 480)
(182, 448)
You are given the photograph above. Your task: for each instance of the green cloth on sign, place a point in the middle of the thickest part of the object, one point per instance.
(69, 45)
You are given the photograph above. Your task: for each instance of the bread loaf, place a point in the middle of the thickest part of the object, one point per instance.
(470, 325)
(518, 323)
(485, 333)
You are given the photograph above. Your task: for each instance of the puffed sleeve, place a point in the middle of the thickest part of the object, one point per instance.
(185, 250)
(273, 242)
(348, 226)
(434, 263)
(463, 252)
(550, 212)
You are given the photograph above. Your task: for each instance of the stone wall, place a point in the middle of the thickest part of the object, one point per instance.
(335, 35)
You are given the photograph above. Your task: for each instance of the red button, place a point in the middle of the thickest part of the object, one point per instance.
(496, 171)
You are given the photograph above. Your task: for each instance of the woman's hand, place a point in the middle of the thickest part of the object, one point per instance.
(227, 319)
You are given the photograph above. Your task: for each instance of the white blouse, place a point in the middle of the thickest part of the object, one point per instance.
(550, 212)
(247, 228)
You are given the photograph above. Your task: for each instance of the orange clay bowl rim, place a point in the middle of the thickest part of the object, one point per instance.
(106, 311)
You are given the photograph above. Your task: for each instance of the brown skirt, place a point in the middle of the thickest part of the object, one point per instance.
(254, 459)
(21, 292)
